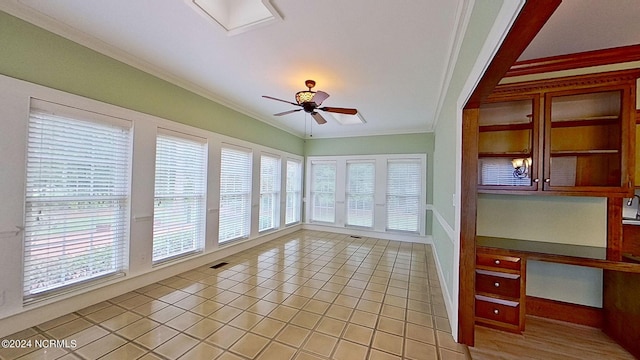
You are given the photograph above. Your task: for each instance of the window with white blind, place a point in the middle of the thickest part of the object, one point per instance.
(269, 193)
(235, 194)
(360, 192)
(323, 191)
(294, 190)
(499, 171)
(404, 188)
(77, 198)
(179, 196)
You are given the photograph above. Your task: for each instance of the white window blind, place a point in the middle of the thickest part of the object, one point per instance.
(179, 200)
(499, 171)
(360, 192)
(294, 190)
(323, 191)
(404, 184)
(235, 194)
(269, 192)
(77, 198)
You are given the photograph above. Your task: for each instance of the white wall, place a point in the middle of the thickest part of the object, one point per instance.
(14, 114)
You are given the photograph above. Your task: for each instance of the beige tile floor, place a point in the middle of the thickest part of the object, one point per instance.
(305, 296)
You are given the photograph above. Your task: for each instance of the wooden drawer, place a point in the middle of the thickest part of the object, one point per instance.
(503, 311)
(498, 261)
(503, 284)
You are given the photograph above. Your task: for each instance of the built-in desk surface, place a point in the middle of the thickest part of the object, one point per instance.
(579, 255)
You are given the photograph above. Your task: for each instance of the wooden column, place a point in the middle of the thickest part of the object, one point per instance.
(468, 206)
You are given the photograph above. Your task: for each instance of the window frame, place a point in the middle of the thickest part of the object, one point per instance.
(313, 191)
(274, 193)
(349, 195)
(420, 204)
(380, 200)
(293, 198)
(196, 195)
(73, 183)
(245, 193)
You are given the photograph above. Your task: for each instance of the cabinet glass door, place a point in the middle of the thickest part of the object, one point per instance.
(584, 140)
(506, 143)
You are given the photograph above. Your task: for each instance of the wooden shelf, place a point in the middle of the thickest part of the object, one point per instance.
(512, 154)
(506, 127)
(584, 152)
(592, 121)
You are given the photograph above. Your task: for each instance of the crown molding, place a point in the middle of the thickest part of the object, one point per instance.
(463, 15)
(575, 61)
(622, 76)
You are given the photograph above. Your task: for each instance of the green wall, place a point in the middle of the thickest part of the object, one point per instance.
(369, 145)
(32, 54)
(483, 16)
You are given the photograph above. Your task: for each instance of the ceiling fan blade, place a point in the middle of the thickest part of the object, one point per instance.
(286, 112)
(276, 99)
(319, 119)
(319, 97)
(339, 110)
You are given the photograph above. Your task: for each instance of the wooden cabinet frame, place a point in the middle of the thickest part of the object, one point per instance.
(541, 91)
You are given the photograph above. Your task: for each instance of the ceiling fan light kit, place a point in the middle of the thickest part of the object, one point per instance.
(309, 101)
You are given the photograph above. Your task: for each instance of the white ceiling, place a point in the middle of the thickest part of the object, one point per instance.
(388, 59)
(584, 25)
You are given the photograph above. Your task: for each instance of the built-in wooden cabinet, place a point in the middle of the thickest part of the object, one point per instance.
(567, 136)
(499, 290)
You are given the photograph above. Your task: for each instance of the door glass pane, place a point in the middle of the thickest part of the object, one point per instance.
(505, 143)
(585, 139)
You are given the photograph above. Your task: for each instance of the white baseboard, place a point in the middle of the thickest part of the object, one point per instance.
(397, 236)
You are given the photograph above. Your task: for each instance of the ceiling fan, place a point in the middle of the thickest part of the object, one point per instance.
(309, 101)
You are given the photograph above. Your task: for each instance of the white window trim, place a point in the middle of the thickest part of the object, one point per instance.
(310, 192)
(250, 202)
(201, 198)
(347, 193)
(298, 205)
(380, 212)
(276, 193)
(80, 115)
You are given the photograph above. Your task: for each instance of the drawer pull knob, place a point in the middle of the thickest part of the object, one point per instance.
(496, 311)
(497, 262)
(496, 284)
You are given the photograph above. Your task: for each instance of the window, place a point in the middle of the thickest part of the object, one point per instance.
(269, 193)
(179, 200)
(499, 171)
(360, 192)
(235, 194)
(294, 190)
(404, 186)
(323, 191)
(77, 198)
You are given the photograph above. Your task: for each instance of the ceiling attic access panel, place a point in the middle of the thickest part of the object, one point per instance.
(237, 16)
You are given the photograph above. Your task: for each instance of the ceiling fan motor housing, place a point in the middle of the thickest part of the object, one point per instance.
(309, 107)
